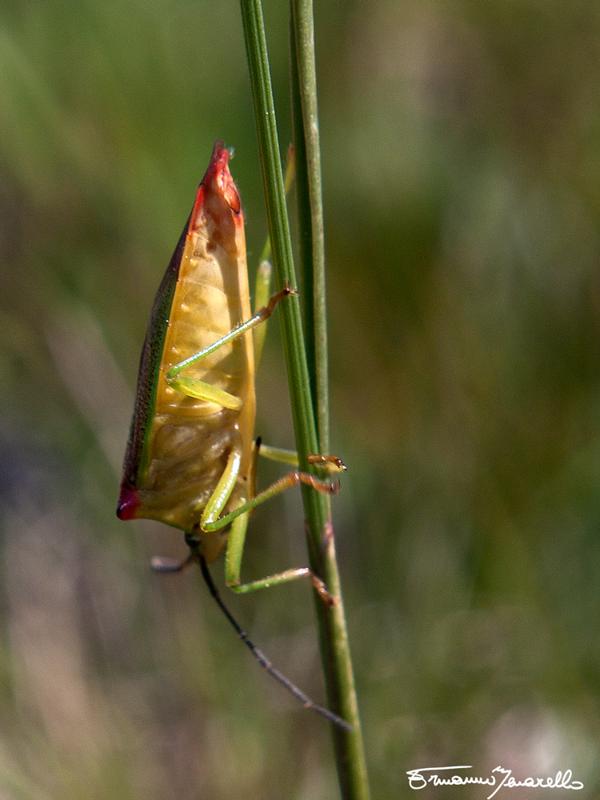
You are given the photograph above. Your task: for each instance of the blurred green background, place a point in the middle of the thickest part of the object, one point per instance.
(461, 150)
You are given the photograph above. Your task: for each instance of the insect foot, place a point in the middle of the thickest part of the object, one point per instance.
(287, 290)
(321, 590)
(330, 463)
(266, 311)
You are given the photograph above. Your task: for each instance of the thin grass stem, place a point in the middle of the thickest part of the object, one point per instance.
(335, 651)
(310, 206)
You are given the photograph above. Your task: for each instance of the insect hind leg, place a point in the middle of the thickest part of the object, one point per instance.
(233, 567)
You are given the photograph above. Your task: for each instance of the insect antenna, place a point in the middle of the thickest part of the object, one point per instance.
(263, 660)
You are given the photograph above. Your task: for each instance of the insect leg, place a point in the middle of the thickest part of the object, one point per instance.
(220, 497)
(233, 567)
(331, 464)
(211, 521)
(194, 387)
(203, 390)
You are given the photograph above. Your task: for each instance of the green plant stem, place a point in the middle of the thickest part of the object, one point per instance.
(305, 237)
(335, 651)
(310, 206)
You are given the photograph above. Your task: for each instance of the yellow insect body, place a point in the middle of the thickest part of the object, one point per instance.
(179, 445)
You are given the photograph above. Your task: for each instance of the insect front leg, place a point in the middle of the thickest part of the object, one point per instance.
(202, 390)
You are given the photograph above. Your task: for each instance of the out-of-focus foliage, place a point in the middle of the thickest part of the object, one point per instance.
(462, 188)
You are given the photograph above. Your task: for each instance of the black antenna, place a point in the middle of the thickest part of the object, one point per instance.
(263, 660)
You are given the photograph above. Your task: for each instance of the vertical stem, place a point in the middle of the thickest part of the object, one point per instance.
(335, 651)
(279, 229)
(310, 206)
(305, 236)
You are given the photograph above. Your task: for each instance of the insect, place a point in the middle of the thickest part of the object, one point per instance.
(191, 456)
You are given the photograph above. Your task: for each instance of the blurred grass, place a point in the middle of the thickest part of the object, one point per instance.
(461, 180)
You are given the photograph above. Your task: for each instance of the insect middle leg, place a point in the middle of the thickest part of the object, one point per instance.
(211, 517)
(329, 463)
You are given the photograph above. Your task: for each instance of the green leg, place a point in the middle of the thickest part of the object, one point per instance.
(220, 497)
(194, 387)
(233, 567)
(290, 457)
(211, 519)
(203, 390)
(216, 503)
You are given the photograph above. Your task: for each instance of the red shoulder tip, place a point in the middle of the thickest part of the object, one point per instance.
(128, 504)
(219, 162)
(217, 183)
